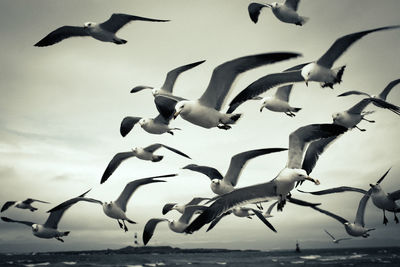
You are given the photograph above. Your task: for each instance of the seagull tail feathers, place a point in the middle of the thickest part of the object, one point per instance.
(157, 158)
(303, 20)
(296, 109)
(65, 233)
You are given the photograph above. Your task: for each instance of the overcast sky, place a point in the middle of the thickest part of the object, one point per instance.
(61, 107)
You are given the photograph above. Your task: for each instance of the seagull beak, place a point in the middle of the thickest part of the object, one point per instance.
(307, 83)
(261, 109)
(371, 185)
(315, 181)
(176, 114)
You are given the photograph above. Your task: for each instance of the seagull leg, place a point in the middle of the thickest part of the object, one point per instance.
(395, 218)
(362, 130)
(290, 114)
(59, 239)
(259, 206)
(385, 220)
(224, 126)
(364, 119)
(170, 132)
(125, 228)
(120, 224)
(249, 217)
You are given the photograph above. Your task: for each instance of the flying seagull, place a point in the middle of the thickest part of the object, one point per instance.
(176, 226)
(205, 111)
(351, 117)
(168, 86)
(381, 199)
(101, 31)
(117, 209)
(181, 207)
(285, 12)
(318, 71)
(146, 153)
(334, 240)
(224, 184)
(49, 228)
(26, 204)
(279, 188)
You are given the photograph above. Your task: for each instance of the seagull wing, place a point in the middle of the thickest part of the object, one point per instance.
(263, 219)
(239, 161)
(283, 92)
(31, 200)
(212, 173)
(7, 205)
(72, 201)
(361, 208)
(289, 76)
(238, 197)
(383, 104)
(336, 190)
(196, 200)
(149, 229)
(167, 208)
(216, 220)
(165, 105)
(330, 214)
(127, 125)
(354, 93)
(189, 211)
(388, 88)
(292, 4)
(131, 187)
(140, 88)
(329, 234)
(359, 107)
(117, 21)
(303, 135)
(174, 74)
(343, 43)
(224, 75)
(394, 195)
(255, 9)
(302, 202)
(6, 219)
(154, 147)
(114, 163)
(60, 34)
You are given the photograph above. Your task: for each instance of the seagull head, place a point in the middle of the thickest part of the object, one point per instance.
(375, 188)
(156, 91)
(135, 150)
(108, 205)
(301, 175)
(264, 102)
(336, 117)
(273, 5)
(307, 71)
(35, 227)
(88, 25)
(180, 107)
(216, 181)
(143, 122)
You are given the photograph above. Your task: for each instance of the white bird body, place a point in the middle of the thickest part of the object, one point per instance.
(143, 154)
(242, 212)
(355, 229)
(276, 105)
(153, 127)
(221, 187)
(346, 119)
(177, 226)
(317, 73)
(286, 179)
(22, 205)
(97, 32)
(41, 231)
(381, 199)
(287, 14)
(114, 211)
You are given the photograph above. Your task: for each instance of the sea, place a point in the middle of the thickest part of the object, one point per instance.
(177, 257)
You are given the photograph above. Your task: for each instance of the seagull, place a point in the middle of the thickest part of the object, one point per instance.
(285, 12)
(205, 112)
(358, 227)
(146, 153)
(167, 87)
(26, 204)
(279, 102)
(101, 31)
(49, 228)
(381, 199)
(318, 71)
(279, 188)
(334, 240)
(181, 208)
(225, 184)
(176, 226)
(351, 117)
(117, 209)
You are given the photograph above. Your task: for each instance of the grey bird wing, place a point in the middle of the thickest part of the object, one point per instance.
(330, 214)
(329, 234)
(6, 219)
(118, 20)
(7, 205)
(114, 163)
(283, 92)
(271, 207)
(149, 229)
(72, 201)
(263, 219)
(31, 200)
(238, 197)
(303, 135)
(131, 187)
(354, 92)
(383, 176)
(383, 104)
(336, 190)
(388, 88)
(174, 74)
(189, 211)
(343, 43)
(154, 147)
(167, 208)
(302, 202)
(127, 124)
(361, 208)
(212, 173)
(140, 88)
(394, 195)
(165, 105)
(255, 9)
(196, 200)
(224, 75)
(314, 150)
(289, 76)
(60, 34)
(293, 4)
(239, 161)
(216, 220)
(359, 107)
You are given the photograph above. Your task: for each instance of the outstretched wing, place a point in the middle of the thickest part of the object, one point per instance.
(255, 9)
(60, 34)
(330, 214)
(196, 200)
(383, 104)
(149, 229)
(263, 219)
(6, 219)
(239, 161)
(140, 88)
(154, 147)
(216, 220)
(118, 20)
(189, 211)
(212, 173)
(361, 208)
(359, 107)
(343, 43)
(283, 92)
(271, 207)
(388, 88)
(165, 105)
(72, 201)
(329, 234)
(394, 195)
(7, 205)
(224, 75)
(167, 208)
(127, 124)
(174, 74)
(31, 200)
(336, 190)
(293, 4)
(354, 93)
(114, 163)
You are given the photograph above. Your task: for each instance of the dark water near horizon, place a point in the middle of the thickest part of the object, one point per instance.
(316, 257)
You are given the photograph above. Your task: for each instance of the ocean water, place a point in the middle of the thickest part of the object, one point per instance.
(320, 257)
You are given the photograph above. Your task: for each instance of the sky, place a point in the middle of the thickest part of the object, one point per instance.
(62, 105)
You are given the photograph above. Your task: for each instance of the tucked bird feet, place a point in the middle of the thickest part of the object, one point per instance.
(290, 114)
(259, 206)
(371, 121)
(385, 220)
(362, 130)
(125, 228)
(224, 126)
(59, 239)
(396, 219)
